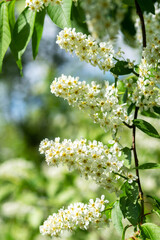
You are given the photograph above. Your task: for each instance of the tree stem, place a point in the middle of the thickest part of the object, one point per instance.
(136, 165)
(140, 14)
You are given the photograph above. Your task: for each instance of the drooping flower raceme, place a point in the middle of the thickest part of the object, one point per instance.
(103, 17)
(92, 159)
(87, 49)
(102, 102)
(38, 5)
(76, 215)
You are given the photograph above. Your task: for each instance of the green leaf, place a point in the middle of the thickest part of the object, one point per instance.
(125, 96)
(150, 114)
(147, 5)
(22, 34)
(109, 210)
(149, 166)
(124, 231)
(129, 202)
(156, 199)
(157, 109)
(37, 32)
(116, 216)
(151, 231)
(121, 68)
(11, 14)
(78, 19)
(60, 14)
(127, 153)
(5, 34)
(146, 128)
(130, 108)
(129, 2)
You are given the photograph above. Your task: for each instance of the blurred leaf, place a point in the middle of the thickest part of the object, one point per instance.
(11, 14)
(157, 109)
(151, 231)
(124, 231)
(5, 34)
(129, 2)
(125, 96)
(35, 217)
(116, 216)
(78, 19)
(37, 32)
(149, 166)
(147, 5)
(127, 152)
(130, 108)
(156, 199)
(129, 202)
(109, 210)
(150, 114)
(121, 68)
(60, 14)
(146, 128)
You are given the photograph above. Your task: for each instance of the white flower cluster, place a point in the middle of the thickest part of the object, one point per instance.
(103, 17)
(86, 48)
(76, 215)
(15, 169)
(147, 94)
(38, 5)
(92, 159)
(101, 101)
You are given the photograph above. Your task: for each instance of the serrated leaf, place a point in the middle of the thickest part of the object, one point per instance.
(147, 5)
(61, 14)
(11, 14)
(121, 68)
(149, 166)
(116, 216)
(129, 202)
(146, 128)
(151, 231)
(5, 34)
(127, 153)
(37, 32)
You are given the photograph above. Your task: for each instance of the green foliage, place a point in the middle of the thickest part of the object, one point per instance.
(60, 14)
(116, 217)
(37, 32)
(147, 5)
(146, 127)
(127, 153)
(149, 166)
(78, 19)
(121, 68)
(151, 231)
(11, 14)
(5, 34)
(129, 202)
(22, 33)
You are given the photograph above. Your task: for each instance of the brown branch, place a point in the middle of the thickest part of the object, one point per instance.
(126, 124)
(140, 14)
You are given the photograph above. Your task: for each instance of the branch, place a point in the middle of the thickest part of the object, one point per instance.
(127, 125)
(140, 14)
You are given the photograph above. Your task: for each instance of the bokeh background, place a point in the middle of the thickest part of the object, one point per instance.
(29, 189)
